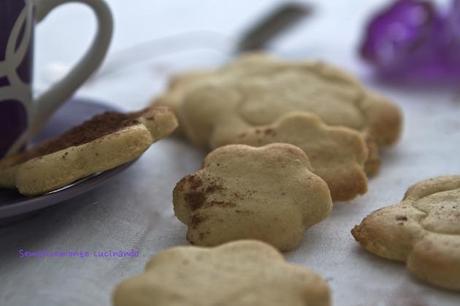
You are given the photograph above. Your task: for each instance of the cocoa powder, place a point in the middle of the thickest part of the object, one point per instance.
(98, 126)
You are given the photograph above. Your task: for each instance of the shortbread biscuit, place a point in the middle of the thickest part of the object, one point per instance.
(423, 231)
(261, 88)
(242, 273)
(102, 143)
(337, 154)
(214, 107)
(267, 193)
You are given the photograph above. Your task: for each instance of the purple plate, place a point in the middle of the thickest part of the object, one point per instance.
(14, 206)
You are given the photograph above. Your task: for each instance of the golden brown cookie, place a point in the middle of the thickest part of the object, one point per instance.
(102, 143)
(242, 273)
(260, 88)
(423, 231)
(267, 193)
(337, 154)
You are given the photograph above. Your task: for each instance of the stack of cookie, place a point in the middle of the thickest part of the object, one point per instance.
(289, 138)
(258, 100)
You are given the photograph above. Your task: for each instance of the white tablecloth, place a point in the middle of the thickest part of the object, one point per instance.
(134, 210)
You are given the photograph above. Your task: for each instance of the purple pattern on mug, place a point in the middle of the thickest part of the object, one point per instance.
(16, 44)
(13, 118)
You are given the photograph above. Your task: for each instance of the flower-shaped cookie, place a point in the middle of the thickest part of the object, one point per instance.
(242, 192)
(337, 154)
(213, 107)
(242, 273)
(99, 144)
(423, 230)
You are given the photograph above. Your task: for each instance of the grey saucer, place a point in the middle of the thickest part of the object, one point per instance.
(14, 206)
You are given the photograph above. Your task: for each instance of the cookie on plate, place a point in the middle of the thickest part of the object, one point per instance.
(423, 231)
(242, 273)
(267, 193)
(99, 144)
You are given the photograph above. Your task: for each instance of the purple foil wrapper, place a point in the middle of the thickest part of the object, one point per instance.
(414, 40)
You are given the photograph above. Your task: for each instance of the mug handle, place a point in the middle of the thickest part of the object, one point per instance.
(49, 101)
